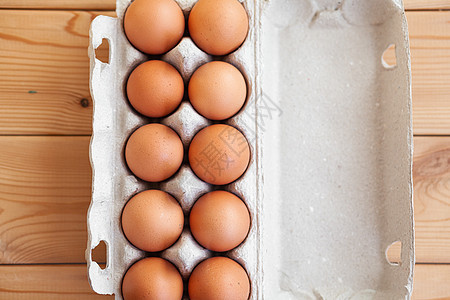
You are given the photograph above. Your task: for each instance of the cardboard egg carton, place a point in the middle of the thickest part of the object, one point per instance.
(329, 185)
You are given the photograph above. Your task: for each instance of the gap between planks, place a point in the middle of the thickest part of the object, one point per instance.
(111, 4)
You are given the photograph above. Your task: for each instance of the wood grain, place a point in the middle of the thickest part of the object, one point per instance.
(432, 199)
(44, 195)
(431, 282)
(430, 55)
(40, 282)
(60, 4)
(44, 71)
(426, 4)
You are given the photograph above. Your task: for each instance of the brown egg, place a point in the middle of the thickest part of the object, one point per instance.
(218, 27)
(152, 220)
(217, 90)
(154, 152)
(154, 26)
(152, 278)
(155, 88)
(219, 221)
(219, 278)
(219, 154)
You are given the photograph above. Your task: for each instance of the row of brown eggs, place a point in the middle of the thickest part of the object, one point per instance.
(217, 90)
(153, 220)
(218, 278)
(218, 154)
(155, 27)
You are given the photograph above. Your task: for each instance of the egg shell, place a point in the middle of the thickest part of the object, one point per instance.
(217, 90)
(155, 88)
(219, 154)
(219, 221)
(154, 152)
(152, 278)
(218, 27)
(219, 278)
(154, 26)
(152, 220)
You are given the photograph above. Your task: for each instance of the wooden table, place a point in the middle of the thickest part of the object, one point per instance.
(45, 123)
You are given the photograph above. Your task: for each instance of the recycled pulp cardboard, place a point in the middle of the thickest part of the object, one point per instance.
(329, 184)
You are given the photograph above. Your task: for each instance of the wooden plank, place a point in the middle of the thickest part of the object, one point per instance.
(431, 282)
(426, 4)
(59, 4)
(44, 195)
(45, 192)
(44, 71)
(46, 282)
(430, 54)
(39, 282)
(432, 199)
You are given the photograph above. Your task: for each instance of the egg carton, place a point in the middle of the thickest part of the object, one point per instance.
(114, 184)
(328, 121)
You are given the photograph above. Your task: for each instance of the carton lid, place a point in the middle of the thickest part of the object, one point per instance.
(336, 148)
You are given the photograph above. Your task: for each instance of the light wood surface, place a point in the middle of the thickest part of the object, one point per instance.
(45, 192)
(426, 4)
(44, 87)
(430, 54)
(431, 282)
(45, 181)
(432, 199)
(51, 282)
